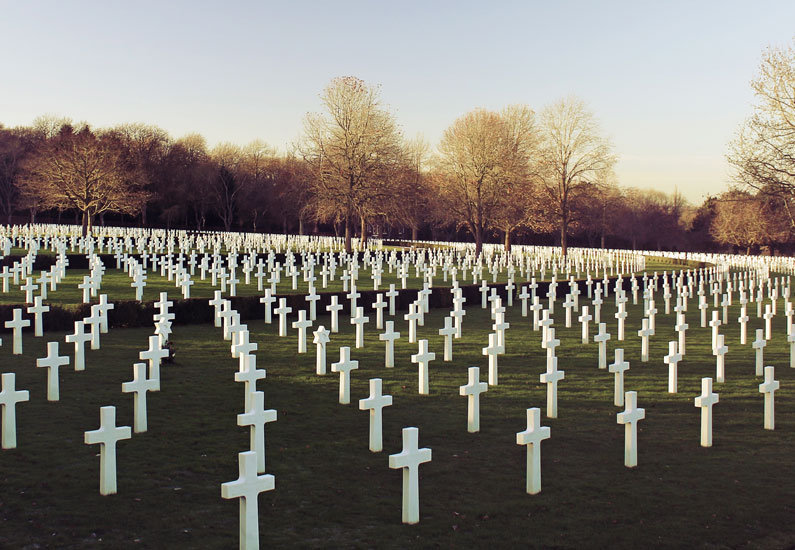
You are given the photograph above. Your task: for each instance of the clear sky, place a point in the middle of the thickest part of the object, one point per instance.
(669, 81)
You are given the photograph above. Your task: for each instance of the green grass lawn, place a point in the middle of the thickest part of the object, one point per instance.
(332, 492)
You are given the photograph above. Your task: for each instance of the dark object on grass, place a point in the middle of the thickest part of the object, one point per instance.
(172, 354)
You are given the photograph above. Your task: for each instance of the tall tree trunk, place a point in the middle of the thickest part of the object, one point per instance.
(508, 241)
(414, 232)
(85, 223)
(564, 226)
(478, 240)
(300, 225)
(348, 246)
(364, 229)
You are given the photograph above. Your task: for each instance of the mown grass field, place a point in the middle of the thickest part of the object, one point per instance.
(331, 492)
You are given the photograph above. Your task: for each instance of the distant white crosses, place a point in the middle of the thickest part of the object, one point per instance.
(256, 417)
(282, 311)
(551, 378)
(472, 391)
(422, 358)
(359, 321)
(52, 363)
(139, 386)
(389, 336)
(629, 418)
(705, 401)
(375, 403)
(448, 331)
(321, 338)
(602, 337)
(9, 397)
(759, 345)
(107, 436)
(493, 351)
(344, 367)
(302, 324)
(409, 460)
(672, 360)
(619, 367)
(769, 388)
(17, 323)
(532, 438)
(247, 488)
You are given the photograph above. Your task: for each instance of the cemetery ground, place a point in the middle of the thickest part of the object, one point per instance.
(331, 491)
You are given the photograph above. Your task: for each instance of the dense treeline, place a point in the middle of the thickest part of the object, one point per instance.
(514, 176)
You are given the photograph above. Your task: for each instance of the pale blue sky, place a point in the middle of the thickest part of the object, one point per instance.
(669, 81)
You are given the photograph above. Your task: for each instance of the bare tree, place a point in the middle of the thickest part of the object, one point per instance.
(85, 172)
(573, 154)
(763, 153)
(226, 184)
(353, 148)
(484, 164)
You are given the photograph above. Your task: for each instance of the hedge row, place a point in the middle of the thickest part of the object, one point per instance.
(130, 313)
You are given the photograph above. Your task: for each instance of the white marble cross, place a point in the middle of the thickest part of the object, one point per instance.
(768, 388)
(282, 311)
(321, 338)
(17, 323)
(621, 315)
(422, 358)
(139, 386)
(768, 316)
(389, 336)
(107, 436)
(302, 324)
(715, 324)
(154, 355)
(630, 417)
(705, 401)
(268, 300)
(52, 363)
(472, 391)
(409, 460)
(79, 339)
(618, 368)
(492, 351)
(359, 320)
(9, 397)
(375, 403)
(248, 373)
(412, 317)
(602, 337)
(720, 363)
(448, 331)
(379, 305)
(334, 308)
(256, 417)
(532, 438)
(759, 345)
(247, 488)
(551, 378)
(672, 360)
(584, 318)
(37, 309)
(644, 334)
(344, 367)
